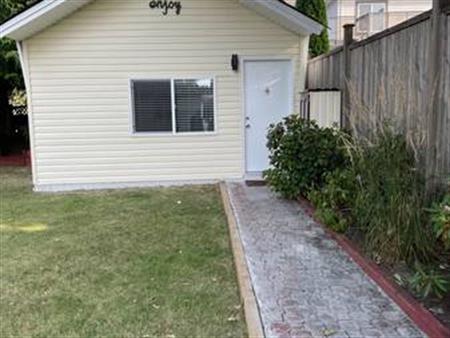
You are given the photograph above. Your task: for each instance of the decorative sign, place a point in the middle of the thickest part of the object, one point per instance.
(166, 6)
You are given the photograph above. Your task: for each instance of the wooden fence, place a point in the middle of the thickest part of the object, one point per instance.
(389, 76)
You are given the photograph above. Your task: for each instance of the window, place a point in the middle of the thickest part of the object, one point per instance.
(173, 106)
(371, 17)
(152, 106)
(194, 105)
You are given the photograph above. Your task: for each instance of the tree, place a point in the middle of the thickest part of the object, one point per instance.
(316, 9)
(10, 72)
(10, 7)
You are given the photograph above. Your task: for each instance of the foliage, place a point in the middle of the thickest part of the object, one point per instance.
(389, 202)
(381, 193)
(10, 78)
(429, 282)
(10, 7)
(441, 221)
(334, 200)
(120, 263)
(317, 9)
(10, 72)
(301, 154)
(18, 98)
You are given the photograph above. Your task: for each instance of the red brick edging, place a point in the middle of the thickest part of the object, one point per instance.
(16, 160)
(423, 318)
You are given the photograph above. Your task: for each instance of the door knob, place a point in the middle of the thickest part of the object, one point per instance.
(247, 126)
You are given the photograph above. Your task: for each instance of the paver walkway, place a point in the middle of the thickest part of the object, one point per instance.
(305, 285)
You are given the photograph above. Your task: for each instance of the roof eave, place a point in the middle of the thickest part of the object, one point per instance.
(285, 16)
(47, 12)
(38, 17)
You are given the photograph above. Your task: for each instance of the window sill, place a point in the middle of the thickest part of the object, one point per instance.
(169, 134)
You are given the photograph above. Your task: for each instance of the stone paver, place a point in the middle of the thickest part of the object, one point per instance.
(305, 285)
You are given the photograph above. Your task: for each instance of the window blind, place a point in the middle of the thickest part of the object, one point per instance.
(152, 105)
(191, 104)
(194, 105)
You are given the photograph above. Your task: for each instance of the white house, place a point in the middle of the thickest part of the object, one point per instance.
(370, 16)
(147, 92)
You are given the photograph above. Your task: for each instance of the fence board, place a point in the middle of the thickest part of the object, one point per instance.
(444, 148)
(390, 78)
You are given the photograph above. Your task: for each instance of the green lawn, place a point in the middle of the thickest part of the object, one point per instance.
(130, 263)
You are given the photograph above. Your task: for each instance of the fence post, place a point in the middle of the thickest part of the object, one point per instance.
(346, 102)
(435, 95)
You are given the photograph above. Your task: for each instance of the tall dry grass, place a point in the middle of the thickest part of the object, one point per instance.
(391, 104)
(387, 155)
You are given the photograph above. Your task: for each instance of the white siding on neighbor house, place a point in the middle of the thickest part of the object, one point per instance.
(397, 11)
(79, 72)
(291, 2)
(348, 7)
(410, 5)
(332, 13)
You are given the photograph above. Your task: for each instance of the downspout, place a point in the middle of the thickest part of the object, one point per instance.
(26, 78)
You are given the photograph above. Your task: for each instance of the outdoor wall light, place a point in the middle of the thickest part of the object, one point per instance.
(235, 62)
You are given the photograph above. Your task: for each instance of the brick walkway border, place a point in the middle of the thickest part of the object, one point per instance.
(416, 311)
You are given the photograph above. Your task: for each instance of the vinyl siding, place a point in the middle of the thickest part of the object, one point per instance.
(348, 7)
(397, 11)
(291, 2)
(79, 72)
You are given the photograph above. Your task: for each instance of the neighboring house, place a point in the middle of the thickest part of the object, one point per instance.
(291, 2)
(134, 93)
(370, 16)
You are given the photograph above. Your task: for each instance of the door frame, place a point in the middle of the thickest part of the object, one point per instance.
(243, 62)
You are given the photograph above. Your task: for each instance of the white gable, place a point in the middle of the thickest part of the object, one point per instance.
(48, 12)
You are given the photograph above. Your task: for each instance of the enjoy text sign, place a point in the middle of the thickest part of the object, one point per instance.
(166, 6)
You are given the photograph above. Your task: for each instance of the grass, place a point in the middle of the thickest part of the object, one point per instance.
(130, 263)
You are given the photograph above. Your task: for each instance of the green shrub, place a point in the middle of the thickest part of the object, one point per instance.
(333, 202)
(441, 221)
(317, 9)
(370, 183)
(429, 282)
(389, 203)
(382, 194)
(301, 154)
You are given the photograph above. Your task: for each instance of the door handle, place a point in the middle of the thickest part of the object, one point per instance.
(247, 126)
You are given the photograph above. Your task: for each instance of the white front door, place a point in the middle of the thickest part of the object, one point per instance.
(268, 98)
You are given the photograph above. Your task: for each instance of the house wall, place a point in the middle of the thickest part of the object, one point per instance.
(333, 17)
(79, 71)
(397, 11)
(291, 2)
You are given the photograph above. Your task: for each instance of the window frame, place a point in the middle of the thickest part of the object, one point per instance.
(172, 79)
(371, 3)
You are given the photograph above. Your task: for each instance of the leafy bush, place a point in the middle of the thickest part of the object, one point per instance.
(333, 202)
(441, 221)
(371, 183)
(429, 282)
(301, 154)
